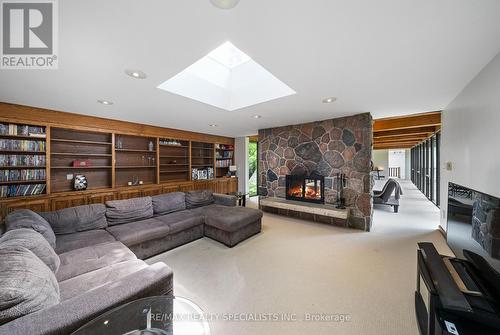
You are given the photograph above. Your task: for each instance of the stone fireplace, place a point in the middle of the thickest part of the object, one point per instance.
(324, 148)
(305, 188)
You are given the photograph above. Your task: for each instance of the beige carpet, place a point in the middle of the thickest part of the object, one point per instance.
(296, 267)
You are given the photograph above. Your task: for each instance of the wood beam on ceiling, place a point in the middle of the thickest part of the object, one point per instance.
(419, 131)
(391, 146)
(399, 139)
(407, 122)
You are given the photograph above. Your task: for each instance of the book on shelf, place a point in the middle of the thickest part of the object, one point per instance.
(21, 145)
(21, 190)
(22, 160)
(22, 130)
(22, 175)
(223, 163)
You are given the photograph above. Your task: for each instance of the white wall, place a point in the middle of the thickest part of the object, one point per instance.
(397, 158)
(381, 158)
(241, 161)
(408, 164)
(471, 136)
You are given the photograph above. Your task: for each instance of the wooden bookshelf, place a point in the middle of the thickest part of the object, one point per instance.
(23, 169)
(69, 146)
(174, 160)
(135, 160)
(224, 158)
(202, 158)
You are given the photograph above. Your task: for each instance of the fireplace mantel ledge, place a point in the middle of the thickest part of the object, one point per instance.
(311, 208)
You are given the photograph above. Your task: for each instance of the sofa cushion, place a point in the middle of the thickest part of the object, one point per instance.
(82, 239)
(75, 219)
(230, 218)
(27, 285)
(140, 231)
(25, 218)
(182, 220)
(34, 242)
(88, 281)
(83, 260)
(130, 210)
(199, 198)
(168, 203)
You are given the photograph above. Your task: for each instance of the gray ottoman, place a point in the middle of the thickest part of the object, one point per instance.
(231, 225)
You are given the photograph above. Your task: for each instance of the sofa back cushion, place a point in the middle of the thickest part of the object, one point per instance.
(25, 218)
(27, 285)
(75, 219)
(34, 242)
(169, 203)
(199, 198)
(130, 210)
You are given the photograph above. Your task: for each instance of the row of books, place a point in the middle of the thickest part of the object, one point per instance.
(22, 145)
(223, 163)
(21, 190)
(224, 147)
(22, 160)
(224, 154)
(22, 175)
(23, 130)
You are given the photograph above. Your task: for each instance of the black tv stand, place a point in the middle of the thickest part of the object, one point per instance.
(456, 296)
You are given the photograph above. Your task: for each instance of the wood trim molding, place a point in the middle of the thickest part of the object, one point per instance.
(47, 117)
(410, 121)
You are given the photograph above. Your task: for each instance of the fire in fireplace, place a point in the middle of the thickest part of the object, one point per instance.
(305, 188)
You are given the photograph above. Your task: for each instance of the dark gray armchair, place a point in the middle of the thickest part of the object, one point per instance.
(385, 196)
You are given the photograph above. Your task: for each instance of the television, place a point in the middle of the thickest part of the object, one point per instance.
(473, 224)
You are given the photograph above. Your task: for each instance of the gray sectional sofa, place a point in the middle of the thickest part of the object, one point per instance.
(85, 260)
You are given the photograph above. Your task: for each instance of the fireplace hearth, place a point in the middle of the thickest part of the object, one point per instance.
(305, 188)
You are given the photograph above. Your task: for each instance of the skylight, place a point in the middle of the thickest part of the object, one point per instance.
(227, 78)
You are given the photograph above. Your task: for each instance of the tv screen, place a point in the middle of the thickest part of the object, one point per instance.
(474, 223)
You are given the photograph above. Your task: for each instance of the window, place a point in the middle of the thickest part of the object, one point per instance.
(425, 167)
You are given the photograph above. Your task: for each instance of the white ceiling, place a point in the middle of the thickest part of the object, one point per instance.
(387, 57)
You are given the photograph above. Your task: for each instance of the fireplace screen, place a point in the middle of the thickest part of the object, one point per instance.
(305, 188)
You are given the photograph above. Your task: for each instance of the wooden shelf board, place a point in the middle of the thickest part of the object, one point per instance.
(174, 164)
(135, 150)
(81, 167)
(23, 137)
(202, 157)
(40, 181)
(174, 146)
(22, 167)
(136, 167)
(201, 148)
(79, 154)
(186, 156)
(80, 141)
(175, 171)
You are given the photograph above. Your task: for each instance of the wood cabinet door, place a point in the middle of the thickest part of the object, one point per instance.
(101, 198)
(67, 201)
(35, 205)
(149, 192)
(170, 188)
(128, 194)
(186, 187)
(233, 185)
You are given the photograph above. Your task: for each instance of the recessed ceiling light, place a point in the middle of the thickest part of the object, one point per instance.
(329, 100)
(257, 116)
(212, 125)
(224, 4)
(105, 102)
(137, 74)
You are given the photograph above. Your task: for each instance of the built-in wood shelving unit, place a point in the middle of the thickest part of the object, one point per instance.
(23, 170)
(135, 160)
(224, 158)
(77, 152)
(174, 160)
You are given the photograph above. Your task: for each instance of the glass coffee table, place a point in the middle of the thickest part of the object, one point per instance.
(162, 315)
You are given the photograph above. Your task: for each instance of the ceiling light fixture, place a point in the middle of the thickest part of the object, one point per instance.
(257, 116)
(105, 102)
(329, 100)
(137, 74)
(212, 125)
(224, 4)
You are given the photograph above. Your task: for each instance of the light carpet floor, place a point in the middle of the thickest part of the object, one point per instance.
(295, 268)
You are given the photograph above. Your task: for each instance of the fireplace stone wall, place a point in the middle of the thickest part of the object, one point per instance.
(324, 148)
